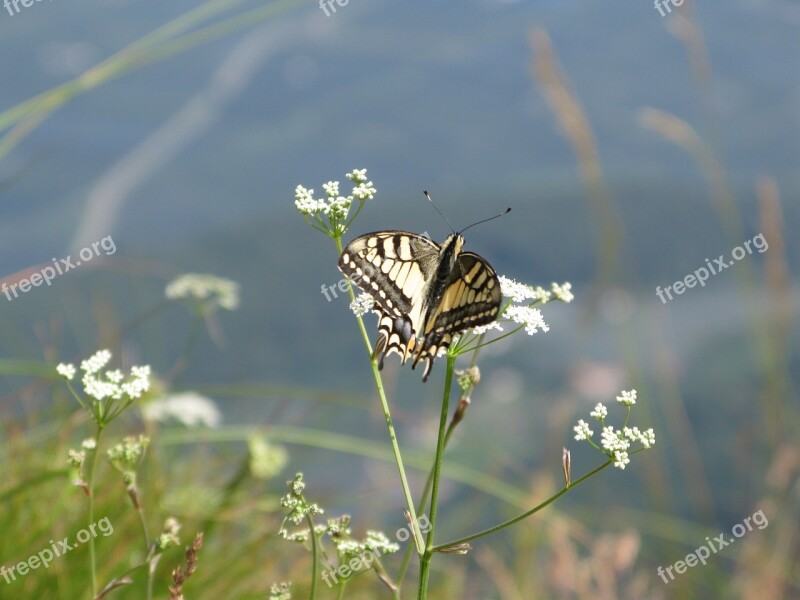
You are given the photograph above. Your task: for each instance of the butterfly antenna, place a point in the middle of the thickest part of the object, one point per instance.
(505, 212)
(441, 214)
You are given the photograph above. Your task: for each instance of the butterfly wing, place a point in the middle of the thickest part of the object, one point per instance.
(393, 267)
(471, 298)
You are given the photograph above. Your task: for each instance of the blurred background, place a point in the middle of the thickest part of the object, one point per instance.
(631, 146)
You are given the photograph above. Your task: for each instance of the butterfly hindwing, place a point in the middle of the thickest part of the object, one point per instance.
(471, 298)
(424, 293)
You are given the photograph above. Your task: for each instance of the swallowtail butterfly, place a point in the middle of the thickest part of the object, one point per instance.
(424, 293)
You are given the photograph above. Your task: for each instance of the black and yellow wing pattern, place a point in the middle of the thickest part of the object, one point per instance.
(424, 293)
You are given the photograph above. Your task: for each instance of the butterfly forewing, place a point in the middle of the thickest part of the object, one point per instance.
(419, 313)
(391, 266)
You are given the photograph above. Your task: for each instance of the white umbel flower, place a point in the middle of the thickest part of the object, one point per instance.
(305, 203)
(188, 408)
(362, 304)
(331, 189)
(481, 329)
(66, 371)
(95, 362)
(530, 317)
(210, 289)
(600, 411)
(562, 291)
(582, 431)
(518, 292)
(357, 176)
(627, 398)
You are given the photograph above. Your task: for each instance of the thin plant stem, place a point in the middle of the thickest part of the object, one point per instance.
(314, 557)
(90, 483)
(429, 482)
(524, 515)
(188, 350)
(340, 593)
(147, 550)
(388, 416)
(425, 566)
(420, 507)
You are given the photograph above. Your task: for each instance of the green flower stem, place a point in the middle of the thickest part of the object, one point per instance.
(340, 594)
(425, 563)
(314, 557)
(525, 515)
(429, 482)
(90, 483)
(421, 507)
(179, 370)
(387, 415)
(147, 550)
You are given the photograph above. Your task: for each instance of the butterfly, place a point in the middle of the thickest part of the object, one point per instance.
(424, 293)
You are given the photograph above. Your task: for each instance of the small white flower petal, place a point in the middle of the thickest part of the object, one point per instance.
(188, 408)
(530, 317)
(562, 292)
(481, 329)
(627, 398)
(599, 412)
(582, 431)
(67, 371)
(362, 304)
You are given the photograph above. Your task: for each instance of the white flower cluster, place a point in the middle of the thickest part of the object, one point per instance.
(209, 289)
(301, 536)
(582, 431)
(280, 591)
(481, 329)
(296, 504)
(531, 318)
(362, 304)
(627, 398)
(305, 203)
(600, 411)
(376, 542)
(127, 455)
(363, 189)
(112, 384)
(562, 292)
(334, 205)
(615, 443)
(521, 311)
(338, 526)
(522, 292)
(188, 408)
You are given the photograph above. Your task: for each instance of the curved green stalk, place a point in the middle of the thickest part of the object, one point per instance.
(314, 557)
(425, 563)
(376, 374)
(429, 482)
(525, 515)
(90, 483)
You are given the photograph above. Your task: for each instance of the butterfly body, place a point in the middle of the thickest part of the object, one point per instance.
(424, 293)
